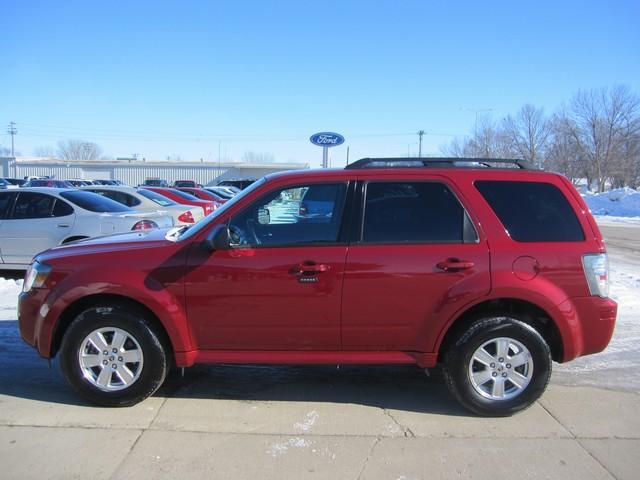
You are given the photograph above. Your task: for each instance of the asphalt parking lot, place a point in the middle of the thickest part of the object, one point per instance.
(311, 422)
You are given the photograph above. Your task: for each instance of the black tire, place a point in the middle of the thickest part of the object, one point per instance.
(459, 356)
(134, 322)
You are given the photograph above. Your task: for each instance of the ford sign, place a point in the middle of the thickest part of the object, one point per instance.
(327, 139)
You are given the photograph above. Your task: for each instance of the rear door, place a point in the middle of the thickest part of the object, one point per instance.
(38, 221)
(416, 260)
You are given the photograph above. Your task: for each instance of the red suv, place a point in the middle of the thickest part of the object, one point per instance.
(490, 268)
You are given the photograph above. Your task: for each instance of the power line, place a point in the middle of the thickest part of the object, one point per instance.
(13, 131)
(420, 134)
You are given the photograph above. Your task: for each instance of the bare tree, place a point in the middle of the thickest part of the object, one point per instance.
(4, 152)
(257, 157)
(600, 123)
(44, 151)
(488, 141)
(528, 133)
(78, 150)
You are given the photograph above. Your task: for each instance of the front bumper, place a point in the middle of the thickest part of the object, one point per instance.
(31, 308)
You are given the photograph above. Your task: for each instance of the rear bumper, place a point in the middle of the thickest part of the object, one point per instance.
(592, 321)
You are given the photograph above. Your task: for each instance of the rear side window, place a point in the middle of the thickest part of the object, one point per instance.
(120, 197)
(33, 205)
(94, 202)
(532, 211)
(5, 203)
(414, 212)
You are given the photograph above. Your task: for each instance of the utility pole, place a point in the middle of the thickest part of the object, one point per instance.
(420, 134)
(12, 130)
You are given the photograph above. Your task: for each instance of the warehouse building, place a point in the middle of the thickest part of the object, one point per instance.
(135, 172)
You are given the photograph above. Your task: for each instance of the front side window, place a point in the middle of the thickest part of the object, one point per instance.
(33, 205)
(300, 215)
(414, 212)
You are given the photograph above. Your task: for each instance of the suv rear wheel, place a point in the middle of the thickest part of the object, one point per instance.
(112, 356)
(498, 366)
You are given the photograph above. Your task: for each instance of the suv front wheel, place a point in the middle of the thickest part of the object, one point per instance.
(498, 366)
(112, 356)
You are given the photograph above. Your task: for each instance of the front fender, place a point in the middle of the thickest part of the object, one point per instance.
(165, 300)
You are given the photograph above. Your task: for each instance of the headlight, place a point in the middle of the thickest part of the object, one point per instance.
(36, 276)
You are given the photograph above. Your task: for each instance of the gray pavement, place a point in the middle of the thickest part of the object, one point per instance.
(263, 422)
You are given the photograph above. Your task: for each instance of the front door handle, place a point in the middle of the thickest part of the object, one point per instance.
(309, 268)
(455, 265)
(63, 225)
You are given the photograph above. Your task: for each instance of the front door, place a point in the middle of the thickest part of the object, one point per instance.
(36, 223)
(280, 285)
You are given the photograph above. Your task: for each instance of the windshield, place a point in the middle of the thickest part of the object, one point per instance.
(192, 230)
(94, 202)
(157, 198)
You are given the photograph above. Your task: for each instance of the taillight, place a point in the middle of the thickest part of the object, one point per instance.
(145, 225)
(186, 217)
(208, 208)
(596, 271)
(302, 210)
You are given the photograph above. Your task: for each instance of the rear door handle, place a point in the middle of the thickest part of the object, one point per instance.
(455, 265)
(309, 268)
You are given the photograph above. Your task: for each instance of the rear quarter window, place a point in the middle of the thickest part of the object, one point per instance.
(532, 211)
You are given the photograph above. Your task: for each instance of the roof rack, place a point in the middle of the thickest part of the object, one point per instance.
(443, 162)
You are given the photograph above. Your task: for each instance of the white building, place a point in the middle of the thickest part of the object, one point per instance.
(135, 172)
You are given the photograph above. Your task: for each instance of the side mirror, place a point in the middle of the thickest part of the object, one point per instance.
(218, 238)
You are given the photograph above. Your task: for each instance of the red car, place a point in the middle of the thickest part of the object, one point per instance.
(185, 198)
(489, 267)
(203, 194)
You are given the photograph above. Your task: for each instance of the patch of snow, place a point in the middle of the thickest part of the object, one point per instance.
(309, 420)
(277, 449)
(619, 202)
(9, 291)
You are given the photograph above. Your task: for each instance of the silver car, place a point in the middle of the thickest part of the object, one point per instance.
(35, 219)
(147, 201)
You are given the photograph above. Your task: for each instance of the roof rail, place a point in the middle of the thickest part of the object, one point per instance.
(442, 162)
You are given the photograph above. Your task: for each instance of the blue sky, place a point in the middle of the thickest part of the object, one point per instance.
(185, 78)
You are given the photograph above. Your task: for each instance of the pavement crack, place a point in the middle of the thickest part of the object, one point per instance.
(595, 458)
(573, 435)
(406, 431)
(368, 457)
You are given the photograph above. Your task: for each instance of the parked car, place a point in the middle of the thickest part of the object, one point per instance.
(155, 182)
(77, 182)
(491, 272)
(186, 183)
(185, 198)
(14, 182)
(236, 184)
(47, 182)
(35, 219)
(102, 181)
(147, 201)
(204, 194)
(224, 192)
(4, 184)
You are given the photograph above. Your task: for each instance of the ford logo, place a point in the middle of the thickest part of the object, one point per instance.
(327, 139)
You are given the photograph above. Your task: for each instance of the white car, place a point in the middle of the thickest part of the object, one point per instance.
(148, 201)
(35, 219)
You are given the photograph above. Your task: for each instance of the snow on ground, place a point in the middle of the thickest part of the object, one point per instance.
(9, 290)
(620, 203)
(618, 365)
